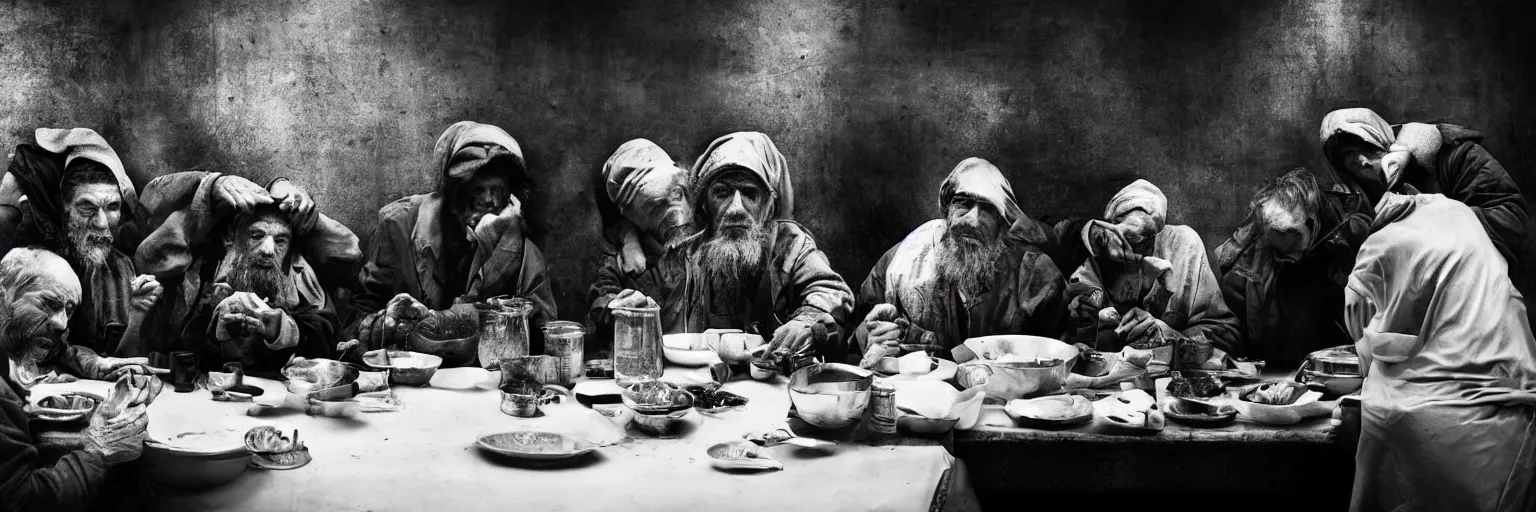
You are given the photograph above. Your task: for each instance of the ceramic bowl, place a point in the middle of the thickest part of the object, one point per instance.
(405, 367)
(687, 350)
(1332, 384)
(196, 460)
(656, 397)
(664, 425)
(66, 407)
(830, 395)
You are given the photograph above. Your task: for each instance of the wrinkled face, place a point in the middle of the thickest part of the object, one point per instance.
(256, 253)
(971, 221)
(661, 207)
(38, 313)
(92, 213)
(487, 192)
(1287, 231)
(736, 203)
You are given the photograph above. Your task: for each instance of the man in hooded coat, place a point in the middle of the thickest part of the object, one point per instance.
(643, 198)
(751, 267)
(982, 270)
(1441, 158)
(1283, 271)
(1166, 270)
(433, 255)
(1448, 406)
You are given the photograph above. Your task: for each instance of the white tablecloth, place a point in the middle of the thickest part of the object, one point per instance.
(424, 458)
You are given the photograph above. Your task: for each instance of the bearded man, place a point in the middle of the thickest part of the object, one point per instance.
(643, 201)
(433, 255)
(981, 270)
(1283, 272)
(1157, 280)
(243, 263)
(37, 292)
(752, 268)
(74, 199)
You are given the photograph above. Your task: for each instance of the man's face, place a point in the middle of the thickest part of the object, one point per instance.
(970, 242)
(1363, 163)
(661, 207)
(1287, 231)
(92, 215)
(736, 204)
(1139, 229)
(38, 313)
(487, 192)
(258, 251)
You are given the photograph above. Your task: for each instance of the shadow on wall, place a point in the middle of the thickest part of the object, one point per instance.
(872, 102)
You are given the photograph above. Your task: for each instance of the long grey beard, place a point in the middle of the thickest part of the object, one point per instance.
(270, 283)
(968, 264)
(734, 257)
(91, 247)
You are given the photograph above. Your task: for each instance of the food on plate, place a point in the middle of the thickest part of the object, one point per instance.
(1275, 393)
(71, 402)
(712, 397)
(1051, 408)
(737, 455)
(322, 373)
(1195, 384)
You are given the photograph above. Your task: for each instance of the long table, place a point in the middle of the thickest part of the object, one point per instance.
(1245, 457)
(424, 457)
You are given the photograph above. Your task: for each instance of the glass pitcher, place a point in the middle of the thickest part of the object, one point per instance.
(636, 344)
(503, 330)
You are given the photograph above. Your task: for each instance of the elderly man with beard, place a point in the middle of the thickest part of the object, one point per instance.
(979, 271)
(643, 200)
(1283, 272)
(752, 268)
(244, 268)
(37, 293)
(432, 256)
(1155, 290)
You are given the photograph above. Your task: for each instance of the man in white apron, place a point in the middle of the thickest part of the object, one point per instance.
(1448, 413)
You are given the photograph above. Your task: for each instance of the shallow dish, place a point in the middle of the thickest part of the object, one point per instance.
(196, 459)
(292, 459)
(532, 445)
(1305, 406)
(405, 367)
(1195, 415)
(741, 456)
(656, 397)
(1056, 411)
(66, 407)
(915, 424)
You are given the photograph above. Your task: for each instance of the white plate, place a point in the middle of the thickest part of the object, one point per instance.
(533, 445)
(945, 371)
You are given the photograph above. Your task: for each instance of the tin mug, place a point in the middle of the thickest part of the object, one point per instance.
(523, 399)
(184, 370)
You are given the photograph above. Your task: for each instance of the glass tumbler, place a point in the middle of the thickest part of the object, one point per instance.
(566, 342)
(503, 331)
(636, 344)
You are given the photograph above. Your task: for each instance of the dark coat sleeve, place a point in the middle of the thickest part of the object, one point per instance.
(70, 484)
(871, 294)
(1042, 297)
(818, 293)
(382, 277)
(1234, 290)
(608, 284)
(1471, 175)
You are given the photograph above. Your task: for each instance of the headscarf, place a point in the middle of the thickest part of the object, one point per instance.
(635, 166)
(466, 146)
(982, 180)
(1421, 141)
(1142, 195)
(754, 152)
(40, 174)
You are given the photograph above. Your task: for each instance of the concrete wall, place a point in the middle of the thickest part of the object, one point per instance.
(872, 102)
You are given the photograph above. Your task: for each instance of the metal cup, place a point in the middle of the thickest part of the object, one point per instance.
(184, 370)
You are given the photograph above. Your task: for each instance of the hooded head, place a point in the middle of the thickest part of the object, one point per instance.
(1140, 210)
(38, 292)
(741, 184)
(649, 190)
(482, 166)
(1368, 156)
(981, 215)
(89, 196)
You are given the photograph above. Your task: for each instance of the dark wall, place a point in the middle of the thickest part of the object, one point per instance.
(872, 102)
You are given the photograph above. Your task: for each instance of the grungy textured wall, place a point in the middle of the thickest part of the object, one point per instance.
(871, 102)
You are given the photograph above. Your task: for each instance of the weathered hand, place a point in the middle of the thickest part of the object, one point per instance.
(119, 439)
(113, 368)
(1108, 242)
(146, 292)
(291, 199)
(795, 337)
(631, 299)
(240, 193)
(1138, 326)
(490, 228)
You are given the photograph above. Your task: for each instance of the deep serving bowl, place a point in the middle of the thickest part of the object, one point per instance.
(405, 367)
(830, 395)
